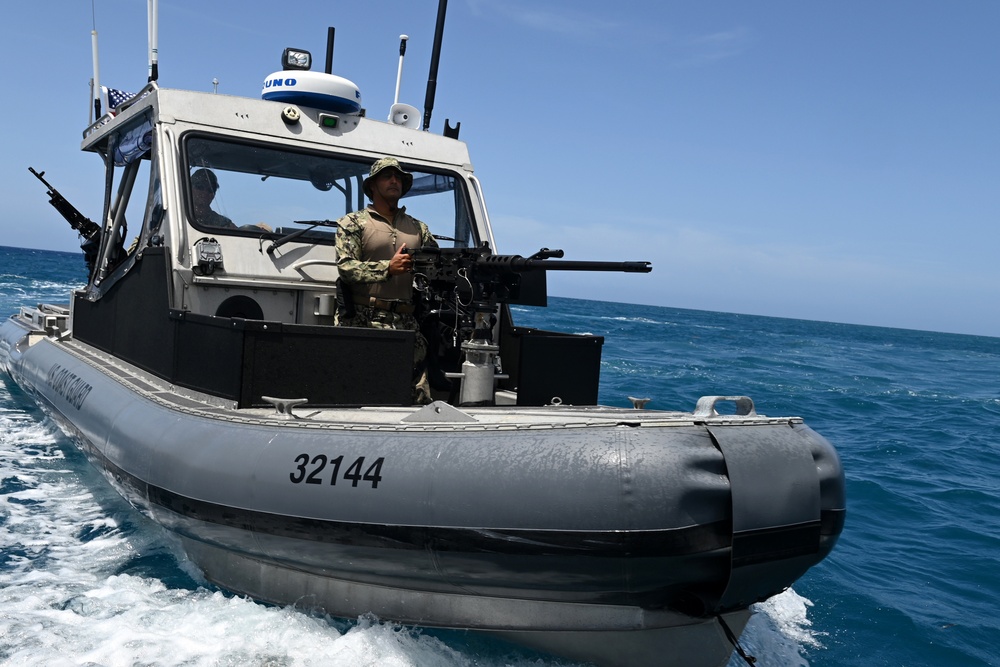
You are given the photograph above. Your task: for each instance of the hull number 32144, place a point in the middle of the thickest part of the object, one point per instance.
(320, 468)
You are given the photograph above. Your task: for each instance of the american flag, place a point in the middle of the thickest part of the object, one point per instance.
(116, 97)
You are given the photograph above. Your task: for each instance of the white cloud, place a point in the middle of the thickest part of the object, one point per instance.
(715, 46)
(680, 51)
(564, 20)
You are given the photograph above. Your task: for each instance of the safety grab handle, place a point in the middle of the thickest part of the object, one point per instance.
(706, 406)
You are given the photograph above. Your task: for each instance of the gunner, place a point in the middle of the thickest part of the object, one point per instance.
(374, 268)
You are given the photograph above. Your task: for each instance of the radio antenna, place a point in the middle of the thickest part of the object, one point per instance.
(96, 82)
(153, 11)
(435, 58)
(331, 32)
(399, 72)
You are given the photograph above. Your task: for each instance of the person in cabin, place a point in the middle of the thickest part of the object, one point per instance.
(204, 185)
(376, 281)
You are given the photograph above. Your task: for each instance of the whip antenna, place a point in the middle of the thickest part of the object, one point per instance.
(330, 34)
(95, 91)
(399, 72)
(153, 11)
(96, 88)
(435, 58)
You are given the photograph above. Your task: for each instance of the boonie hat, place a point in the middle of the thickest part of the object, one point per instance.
(386, 163)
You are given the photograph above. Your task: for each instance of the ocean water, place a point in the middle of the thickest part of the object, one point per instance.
(914, 580)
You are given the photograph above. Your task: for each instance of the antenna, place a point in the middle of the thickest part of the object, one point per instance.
(153, 11)
(399, 72)
(403, 114)
(435, 58)
(330, 32)
(95, 83)
(96, 91)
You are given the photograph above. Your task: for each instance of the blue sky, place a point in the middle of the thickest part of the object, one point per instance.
(826, 161)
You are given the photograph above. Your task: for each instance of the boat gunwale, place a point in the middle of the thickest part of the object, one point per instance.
(555, 417)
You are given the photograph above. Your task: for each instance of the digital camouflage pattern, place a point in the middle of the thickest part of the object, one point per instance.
(350, 248)
(356, 271)
(376, 318)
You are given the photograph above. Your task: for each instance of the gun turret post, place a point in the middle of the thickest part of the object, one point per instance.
(479, 373)
(468, 285)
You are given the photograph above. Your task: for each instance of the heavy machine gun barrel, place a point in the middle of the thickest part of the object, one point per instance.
(437, 260)
(518, 263)
(485, 279)
(480, 263)
(87, 228)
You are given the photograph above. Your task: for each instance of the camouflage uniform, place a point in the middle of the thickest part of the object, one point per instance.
(355, 260)
(369, 277)
(366, 241)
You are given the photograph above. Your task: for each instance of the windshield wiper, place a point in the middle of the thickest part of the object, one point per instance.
(313, 224)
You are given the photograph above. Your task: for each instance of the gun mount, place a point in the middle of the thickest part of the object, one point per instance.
(461, 289)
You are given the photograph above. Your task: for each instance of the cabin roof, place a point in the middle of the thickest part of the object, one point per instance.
(248, 117)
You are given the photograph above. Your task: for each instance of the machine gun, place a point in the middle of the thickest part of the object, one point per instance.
(87, 228)
(90, 232)
(481, 279)
(462, 287)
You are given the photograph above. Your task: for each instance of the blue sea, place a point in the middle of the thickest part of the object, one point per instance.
(914, 580)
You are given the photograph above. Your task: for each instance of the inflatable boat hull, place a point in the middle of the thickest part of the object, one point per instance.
(555, 527)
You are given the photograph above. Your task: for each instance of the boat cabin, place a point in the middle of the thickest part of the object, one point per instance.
(217, 268)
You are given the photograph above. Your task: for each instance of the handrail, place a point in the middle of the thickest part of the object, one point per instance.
(482, 207)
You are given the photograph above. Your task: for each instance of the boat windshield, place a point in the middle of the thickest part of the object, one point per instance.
(246, 188)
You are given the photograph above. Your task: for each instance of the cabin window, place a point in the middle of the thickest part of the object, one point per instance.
(244, 188)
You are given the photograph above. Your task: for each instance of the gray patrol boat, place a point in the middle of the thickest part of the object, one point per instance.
(201, 372)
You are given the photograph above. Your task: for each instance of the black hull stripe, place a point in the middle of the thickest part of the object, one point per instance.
(509, 542)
